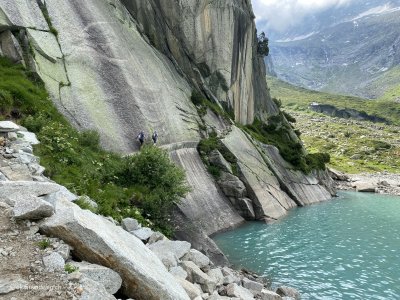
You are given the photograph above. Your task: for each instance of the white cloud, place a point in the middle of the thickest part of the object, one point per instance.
(280, 15)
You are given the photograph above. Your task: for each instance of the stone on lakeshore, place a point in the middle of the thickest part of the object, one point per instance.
(288, 292)
(269, 295)
(8, 126)
(197, 257)
(11, 283)
(103, 275)
(31, 208)
(192, 290)
(216, 159)
(143, 233)
(234, 290)
(99, 241)
(178, 272)
(251, 285)
(366, 186)
(217, 275)
(130, 224)
(195, 275)
(93, 290)
(54, 262)
(230, 279)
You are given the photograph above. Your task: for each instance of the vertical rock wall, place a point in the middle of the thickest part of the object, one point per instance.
(214, 44)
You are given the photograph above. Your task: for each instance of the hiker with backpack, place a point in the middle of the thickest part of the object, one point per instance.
(154, 137)
(141, 138)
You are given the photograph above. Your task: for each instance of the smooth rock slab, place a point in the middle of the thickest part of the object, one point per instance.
(105, 276)
(11, 283)
(97, 240)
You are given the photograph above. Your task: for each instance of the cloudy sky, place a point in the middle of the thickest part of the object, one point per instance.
(280, 15)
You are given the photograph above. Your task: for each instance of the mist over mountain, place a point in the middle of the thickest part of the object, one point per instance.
(351, 49)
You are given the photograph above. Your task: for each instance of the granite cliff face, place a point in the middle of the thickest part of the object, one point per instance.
(121, 67)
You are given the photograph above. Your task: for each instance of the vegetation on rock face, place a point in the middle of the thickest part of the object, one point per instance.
(276, 132)
(262, 46)
(354, 146)
(143, 186)
(202, 104)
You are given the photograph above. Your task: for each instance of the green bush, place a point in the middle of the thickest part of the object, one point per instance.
(43, 244)
(6, 102)
(197, 98)
(69, 268)
(89, 138)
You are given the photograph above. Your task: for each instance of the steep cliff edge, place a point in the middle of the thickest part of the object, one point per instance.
(121, 68)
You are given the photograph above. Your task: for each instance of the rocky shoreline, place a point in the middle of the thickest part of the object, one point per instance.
(52, 248)
(380, 182)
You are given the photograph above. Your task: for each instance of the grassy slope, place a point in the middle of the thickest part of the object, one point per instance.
(300, 99)
(354, 146)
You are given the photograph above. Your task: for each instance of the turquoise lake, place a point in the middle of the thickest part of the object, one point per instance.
(347, 248)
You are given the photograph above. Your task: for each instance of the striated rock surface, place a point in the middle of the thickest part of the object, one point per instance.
(214, 44)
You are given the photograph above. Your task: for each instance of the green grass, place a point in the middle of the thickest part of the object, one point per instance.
(299, 99)
(43, 244)
(144, 186)
(69, 268)
(353, 146)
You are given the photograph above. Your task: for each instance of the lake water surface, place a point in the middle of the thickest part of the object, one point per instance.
(347, 248)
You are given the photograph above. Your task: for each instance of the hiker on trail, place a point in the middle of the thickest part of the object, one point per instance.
(141, 138)
(154, 137)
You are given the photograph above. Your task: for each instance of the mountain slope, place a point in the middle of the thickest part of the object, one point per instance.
(354, 57)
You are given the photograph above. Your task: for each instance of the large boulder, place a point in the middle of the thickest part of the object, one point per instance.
(366, 186)
(8, 126)
(234, 290)
(96, 240)
(231, 185)
(169, 252)
(196, 275)
(31, 208)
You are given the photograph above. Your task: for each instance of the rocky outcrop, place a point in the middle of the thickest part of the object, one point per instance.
(214, 44)
(347, 113)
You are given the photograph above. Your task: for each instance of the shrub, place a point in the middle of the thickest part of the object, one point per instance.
(288, 117)
(89, 138)
(69, 268)
(262, 45)
(43, 244)
(197, 98)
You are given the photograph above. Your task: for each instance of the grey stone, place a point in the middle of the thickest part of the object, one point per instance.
(64, 250)
(192, 290)
(8, 126)
(216, 159)
(105, 276)
(253, 286)
(130, 224)
(231, 185)
(269, 295)
(155, 237)
(11, 283)
(197, 257)
(20, 189)
(234, 290)
(12, 136)
(74, 276)
(177, 248)
(143, 233)
(196, 275)
(31, 208)
(23, 14)
(366, 186)
(217, 275)
(229, 279)
(54, 262)
(10, 47)
(178, 272)
(288, 292)
(28, 137)
(93, 290)
(97, 240)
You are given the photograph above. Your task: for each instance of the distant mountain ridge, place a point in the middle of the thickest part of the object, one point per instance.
(357, 57)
